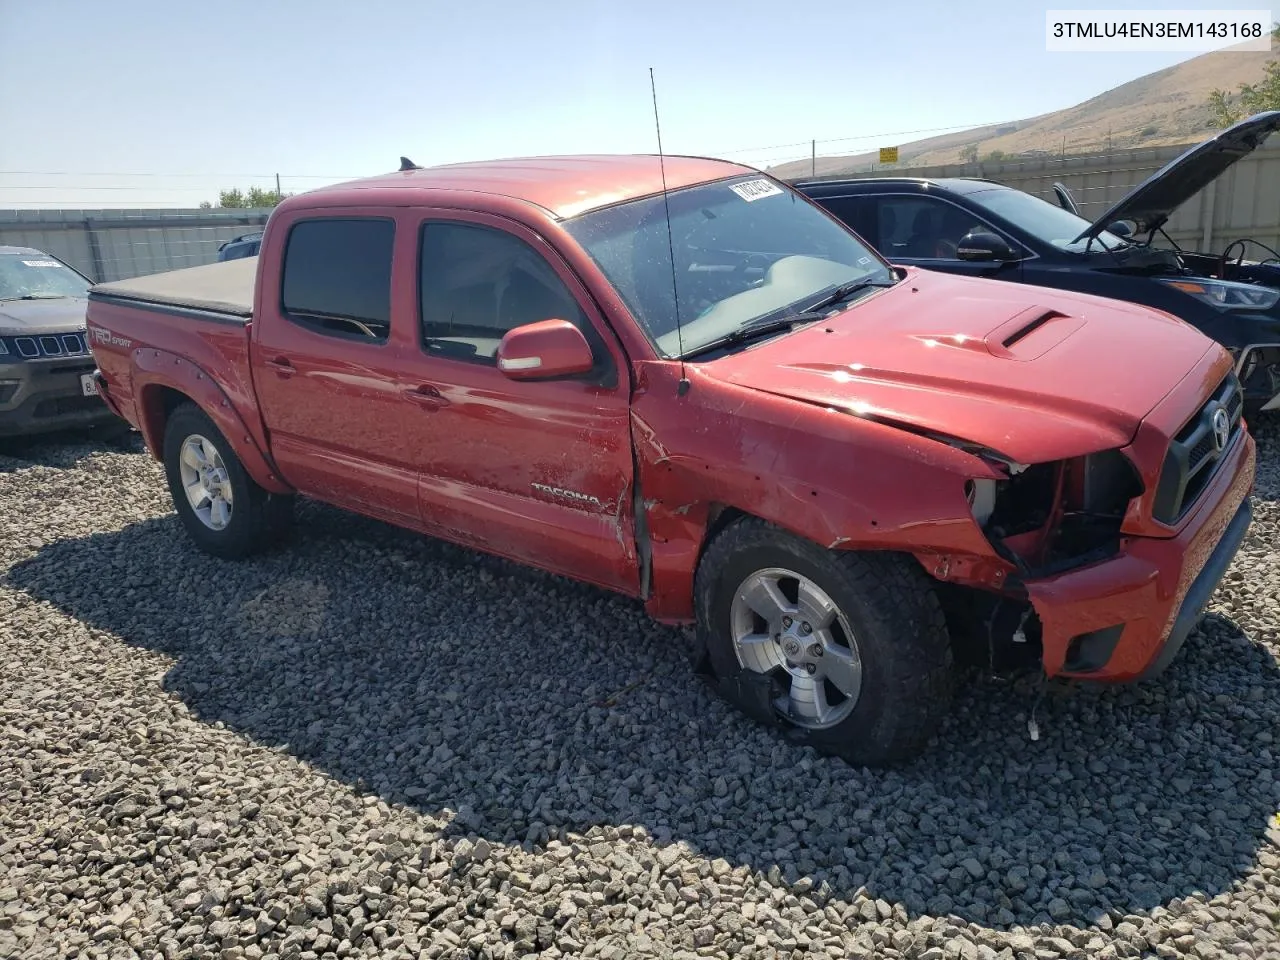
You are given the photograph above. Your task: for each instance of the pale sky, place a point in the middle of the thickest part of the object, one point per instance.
(149, 103)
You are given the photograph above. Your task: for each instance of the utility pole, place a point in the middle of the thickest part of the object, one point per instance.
(813, 158)
(278, 194)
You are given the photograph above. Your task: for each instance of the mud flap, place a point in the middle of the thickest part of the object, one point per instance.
(751, 693)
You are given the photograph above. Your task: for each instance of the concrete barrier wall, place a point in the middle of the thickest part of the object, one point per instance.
(1244, 202)
(118, 244)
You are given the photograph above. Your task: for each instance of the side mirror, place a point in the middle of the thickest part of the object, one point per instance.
(544, 350)
(1120, 228)
(981, 245)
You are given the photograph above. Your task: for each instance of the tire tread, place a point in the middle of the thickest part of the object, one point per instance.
(901, 603)
(267, 515)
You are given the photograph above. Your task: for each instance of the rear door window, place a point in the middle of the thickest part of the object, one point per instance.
(337, 277)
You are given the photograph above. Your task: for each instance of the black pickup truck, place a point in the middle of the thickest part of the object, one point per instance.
(983, 228)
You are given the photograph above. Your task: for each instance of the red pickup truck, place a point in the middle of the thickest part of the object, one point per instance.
(696, 388)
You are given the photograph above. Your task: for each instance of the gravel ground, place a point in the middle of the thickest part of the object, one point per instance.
(374, 745)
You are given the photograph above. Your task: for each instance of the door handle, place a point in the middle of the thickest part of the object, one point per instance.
(427, 396)
(282, 366)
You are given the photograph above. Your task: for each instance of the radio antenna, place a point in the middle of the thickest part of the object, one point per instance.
(683, 388)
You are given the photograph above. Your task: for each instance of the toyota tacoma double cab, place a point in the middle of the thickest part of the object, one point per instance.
(682, 381)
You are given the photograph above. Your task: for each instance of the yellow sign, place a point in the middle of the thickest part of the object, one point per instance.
(888, 154)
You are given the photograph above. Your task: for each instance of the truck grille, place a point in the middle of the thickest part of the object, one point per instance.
(35, 348)
(1196, 452)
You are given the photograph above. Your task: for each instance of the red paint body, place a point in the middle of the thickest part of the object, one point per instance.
(805, 430)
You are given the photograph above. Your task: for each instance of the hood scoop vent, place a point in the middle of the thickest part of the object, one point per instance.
(1031, 333)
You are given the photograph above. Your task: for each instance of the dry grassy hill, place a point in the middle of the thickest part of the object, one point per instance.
(1165, 107)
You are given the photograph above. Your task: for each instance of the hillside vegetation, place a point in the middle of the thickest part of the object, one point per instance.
(1170, 106)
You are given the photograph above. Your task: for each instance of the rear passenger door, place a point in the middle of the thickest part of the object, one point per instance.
(539, 471)
(333, 363)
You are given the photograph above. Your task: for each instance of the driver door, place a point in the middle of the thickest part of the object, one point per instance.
(921, 231)
(540, 471)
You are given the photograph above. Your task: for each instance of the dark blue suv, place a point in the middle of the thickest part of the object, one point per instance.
(245, 246)
(982, 228)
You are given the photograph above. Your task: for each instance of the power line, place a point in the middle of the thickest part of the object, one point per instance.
(316, 176)
(868, 136)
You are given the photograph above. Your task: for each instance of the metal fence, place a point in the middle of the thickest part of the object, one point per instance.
(1243, 202)
(118, 244)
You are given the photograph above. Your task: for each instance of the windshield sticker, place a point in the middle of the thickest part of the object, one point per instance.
(755, 189)
(41, 263)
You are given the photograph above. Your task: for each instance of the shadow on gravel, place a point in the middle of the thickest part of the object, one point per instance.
(441, 678)
(65, 449)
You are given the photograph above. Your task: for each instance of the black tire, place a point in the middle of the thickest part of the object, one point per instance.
(894, 613)
(259, 519)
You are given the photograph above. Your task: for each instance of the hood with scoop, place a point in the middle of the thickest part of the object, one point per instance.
(1032, 374)
(1150, 203)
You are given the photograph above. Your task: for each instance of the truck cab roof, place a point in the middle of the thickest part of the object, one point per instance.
(961, 185)
(564, 186)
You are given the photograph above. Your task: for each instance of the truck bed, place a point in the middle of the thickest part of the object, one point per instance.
(225, 287)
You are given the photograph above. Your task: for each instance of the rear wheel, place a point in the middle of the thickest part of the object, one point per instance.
(850, 651)
(223, 510)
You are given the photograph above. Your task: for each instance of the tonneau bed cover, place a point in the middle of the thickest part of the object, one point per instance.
(223, 287)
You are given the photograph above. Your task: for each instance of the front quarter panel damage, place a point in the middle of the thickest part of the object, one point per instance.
(1144, 588)
(825, 475)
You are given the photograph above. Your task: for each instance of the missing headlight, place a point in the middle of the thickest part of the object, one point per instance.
(1058, 516)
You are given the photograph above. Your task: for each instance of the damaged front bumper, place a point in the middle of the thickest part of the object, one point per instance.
(1126, 618)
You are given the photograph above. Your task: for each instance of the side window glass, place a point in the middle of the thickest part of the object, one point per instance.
(476, 283)
(337, 277)
(845, 209)
(922, 228)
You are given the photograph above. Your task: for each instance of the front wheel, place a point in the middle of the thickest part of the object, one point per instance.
(223, 510)
(848, 650)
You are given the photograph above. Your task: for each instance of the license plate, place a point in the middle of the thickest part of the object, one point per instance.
(88, 386)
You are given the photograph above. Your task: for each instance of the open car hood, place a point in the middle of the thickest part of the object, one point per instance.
(1149, 204)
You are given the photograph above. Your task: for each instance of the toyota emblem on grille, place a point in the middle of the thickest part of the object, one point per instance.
(1221, 429)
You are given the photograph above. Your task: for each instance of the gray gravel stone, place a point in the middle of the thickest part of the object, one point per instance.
(368, 744)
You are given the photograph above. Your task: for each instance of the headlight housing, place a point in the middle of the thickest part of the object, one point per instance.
(1058, 516)
(1226, 294)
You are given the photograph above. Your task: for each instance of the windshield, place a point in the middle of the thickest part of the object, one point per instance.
(37, 276)
(1045, 221)
(744, 249)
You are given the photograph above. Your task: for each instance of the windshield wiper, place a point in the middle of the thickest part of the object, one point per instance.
(773, 324)
(37, 296)
(844, 291)
(753, 330)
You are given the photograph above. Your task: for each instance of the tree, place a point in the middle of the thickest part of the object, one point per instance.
(969, 154)
(254, 198)
(1251, 98)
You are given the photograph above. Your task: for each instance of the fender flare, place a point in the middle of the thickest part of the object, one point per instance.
(153, 369)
